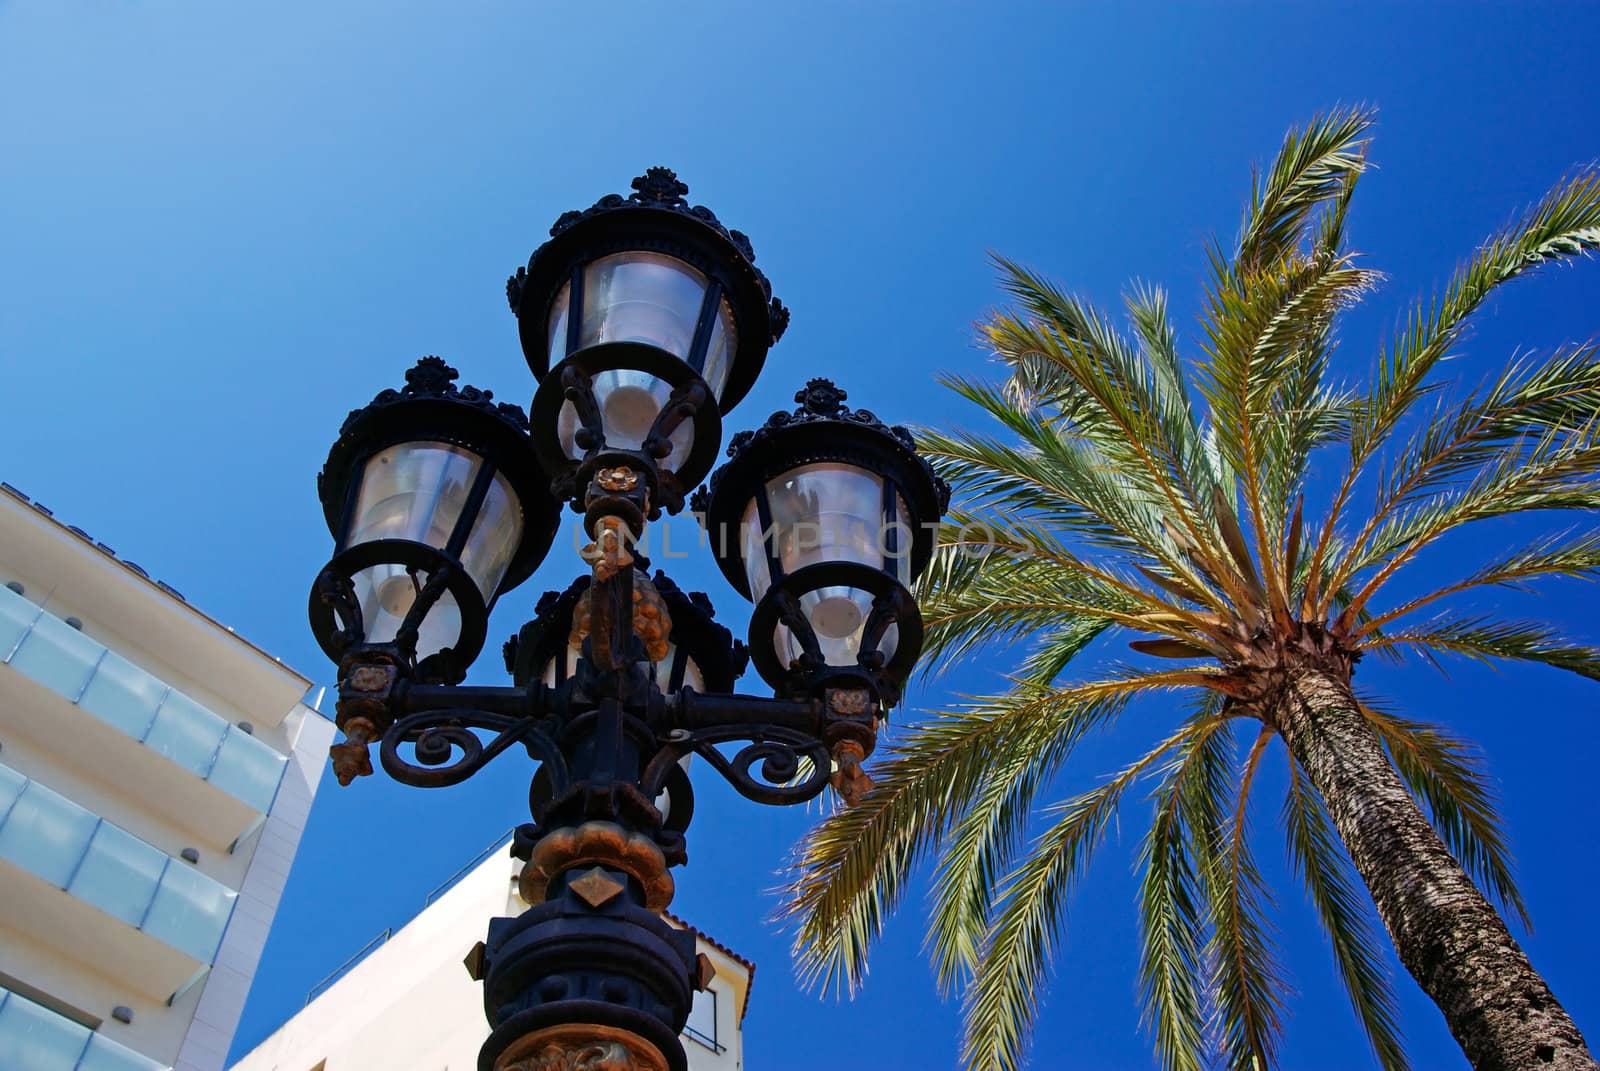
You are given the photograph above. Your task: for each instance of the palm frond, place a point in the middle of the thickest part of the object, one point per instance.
(1558, 471)
(1564, 224)
(1000, 1004)
(1263, 331)
(1345, 913)
(850, 871)
(1102, 390)
(1551, 556)
(1316, 165)
(1244, 978)
(1447, 775)
(1171, 919)
(972, 597)
(1527, 399)
(1486, 639)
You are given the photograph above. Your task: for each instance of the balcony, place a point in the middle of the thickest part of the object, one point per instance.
(100, 895)
(34, 1037)
(112, 701)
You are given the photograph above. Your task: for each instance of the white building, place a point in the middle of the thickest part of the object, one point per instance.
(411, 1004)
(156, 771)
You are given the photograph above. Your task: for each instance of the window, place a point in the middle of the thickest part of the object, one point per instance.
(702, 1024)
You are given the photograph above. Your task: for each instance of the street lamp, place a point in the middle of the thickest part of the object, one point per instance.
(646, 321)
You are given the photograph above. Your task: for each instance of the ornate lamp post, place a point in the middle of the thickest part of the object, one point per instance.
(645, 321)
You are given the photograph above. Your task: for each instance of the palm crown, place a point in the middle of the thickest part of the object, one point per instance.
(1130, 488)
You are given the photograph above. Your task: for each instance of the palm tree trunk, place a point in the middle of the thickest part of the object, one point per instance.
(1448, 935)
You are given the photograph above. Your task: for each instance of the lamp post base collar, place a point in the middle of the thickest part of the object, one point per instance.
(603, 844)
(580, 1047)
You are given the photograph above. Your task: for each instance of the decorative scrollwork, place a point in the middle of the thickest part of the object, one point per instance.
(448, 749)
(339, 593)
(792, 617)
(795, 766)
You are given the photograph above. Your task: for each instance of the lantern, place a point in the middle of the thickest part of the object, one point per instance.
(437, 506)
(644, 319)
(823, 517)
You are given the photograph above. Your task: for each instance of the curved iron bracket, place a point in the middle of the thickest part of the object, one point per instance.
(795, 765)
(439, 735)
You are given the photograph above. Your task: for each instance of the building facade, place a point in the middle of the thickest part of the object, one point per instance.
(408, 1001)
(156, 771)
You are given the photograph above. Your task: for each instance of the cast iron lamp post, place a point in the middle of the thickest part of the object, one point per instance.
(645, 321)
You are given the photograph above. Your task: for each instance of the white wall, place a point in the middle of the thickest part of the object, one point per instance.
(46, 737)
(411, 1004)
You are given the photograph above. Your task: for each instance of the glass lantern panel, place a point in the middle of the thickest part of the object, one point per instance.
(896, 542)
(752, 551)
(721, 344)
(642, 297)
(495, 536)
(838, 617)
(386, 592)
(661, 672)
(820, 513)
(415, 491)
(629, 402)
(569, 666)
(558, 324)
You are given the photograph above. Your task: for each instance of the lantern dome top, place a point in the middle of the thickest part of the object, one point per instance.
(821, 429)
(429, 403)
(655, 217)
(818, 401)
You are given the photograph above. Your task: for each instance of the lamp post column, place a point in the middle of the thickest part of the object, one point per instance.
(591, 976)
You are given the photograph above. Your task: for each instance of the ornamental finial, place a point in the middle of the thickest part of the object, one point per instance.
(431, 376)
(821, 396)
(660, 185)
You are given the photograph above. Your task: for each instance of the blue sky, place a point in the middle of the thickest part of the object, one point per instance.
(223, 226)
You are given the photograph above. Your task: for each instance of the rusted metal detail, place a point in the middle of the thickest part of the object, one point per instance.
(608, 554)
(473, 962)
(582, 618)
(595, 887)
(600, 844)
(352, 759)
(651, 621)
(620, 478)
(849, 780)
(370, 678)
(581, 1047)
(367, 681)
(849, 702)
(705, 971)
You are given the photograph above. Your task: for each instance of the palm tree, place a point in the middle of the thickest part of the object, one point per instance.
(1132, 490)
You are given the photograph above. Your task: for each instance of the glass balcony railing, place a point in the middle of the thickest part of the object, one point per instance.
(45, 648)
(34, 1037)
(58, 841)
